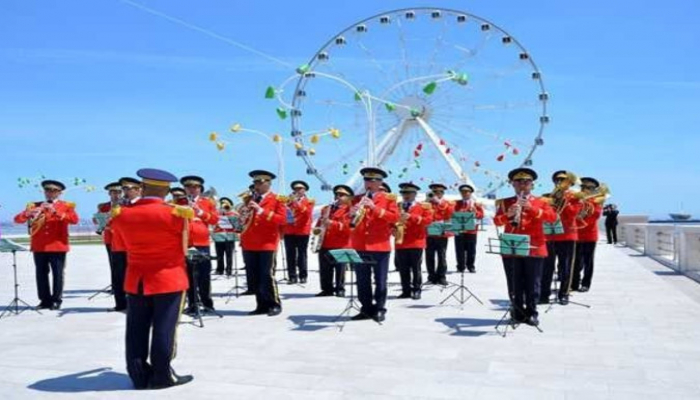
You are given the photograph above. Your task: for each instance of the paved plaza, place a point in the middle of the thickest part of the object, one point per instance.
(638, 340)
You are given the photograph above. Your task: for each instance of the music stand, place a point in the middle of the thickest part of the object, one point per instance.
(554, 297)
(194, 257)
(8, 246)
(106, 290)
(235, 289)
(514, 246)
(351, 258)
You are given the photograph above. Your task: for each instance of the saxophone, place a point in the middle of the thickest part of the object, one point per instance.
(359, 215)
(400, 227)
(320, 232)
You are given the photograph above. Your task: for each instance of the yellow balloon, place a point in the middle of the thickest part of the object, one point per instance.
(312, 151)
(220, 146)
(277, 138)
(314, 139)
(236, 128)
(335, 133)
(298, 146)
(213, 136)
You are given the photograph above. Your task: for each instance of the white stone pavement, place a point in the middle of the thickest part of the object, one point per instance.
(639, 340)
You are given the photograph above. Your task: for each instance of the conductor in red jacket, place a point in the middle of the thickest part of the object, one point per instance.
(372, 218)
(48, 227)
(262, 217)
(297, 231)
(155, 235)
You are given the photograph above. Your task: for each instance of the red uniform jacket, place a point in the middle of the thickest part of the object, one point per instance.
(302, 211)
(442, 212)
(472, 206)
(205, 215)
(107, 232)
(416, 230)
(51, 227)
(155, 234)
(263, 232)
(338, 229)
(374, 231)
(589, 232)
(531, 221)
(568, 214)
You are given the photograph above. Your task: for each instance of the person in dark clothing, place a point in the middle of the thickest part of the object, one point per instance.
(610, 212)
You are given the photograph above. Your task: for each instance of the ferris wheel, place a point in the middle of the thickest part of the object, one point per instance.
(427, 94)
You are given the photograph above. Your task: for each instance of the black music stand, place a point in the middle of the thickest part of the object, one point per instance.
(554, 297)
(8, 246)
(193, 258)
(105, 290)
(462, 289)
(235, 289)
(512, 249)
(351, 258)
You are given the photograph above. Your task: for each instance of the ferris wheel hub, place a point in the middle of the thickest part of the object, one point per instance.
(414, 107)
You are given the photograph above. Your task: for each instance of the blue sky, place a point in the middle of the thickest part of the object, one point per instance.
(98, 89)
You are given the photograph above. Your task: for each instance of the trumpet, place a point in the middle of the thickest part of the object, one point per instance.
(357, 217)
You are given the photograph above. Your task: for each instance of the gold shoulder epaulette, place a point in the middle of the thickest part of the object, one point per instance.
(183, 211)
(30, 205)
(499, 202)
(391, 196)
(115, 211)
(70, 204)
(312, 201)
(426, 205)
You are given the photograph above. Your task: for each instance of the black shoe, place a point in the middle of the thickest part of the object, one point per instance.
(209, 309)
(404, 296)
(416, 296)
(229, 272)
(533, 321)
(117, 309)
(56, 306)
(276, 310)
(380, 317)
(472, 270)
(177, 381)
(248, 293)
(190, 311)
(219, 272)
(583, 289)
(257, 311)
(360, 317)
(340, 293)
(44, 306)
(442, 282)
(460, 270)
(564, 300)
(302, 280)
(324, 294)
(293, 281)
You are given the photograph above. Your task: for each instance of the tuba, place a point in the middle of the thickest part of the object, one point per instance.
(244, 210)
(320, 232)
(597, 197)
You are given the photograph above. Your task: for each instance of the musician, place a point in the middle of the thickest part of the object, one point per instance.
(587, 234)
(114, 190)
(178, 196)
(437, 245)
(409, 239)
(561, 247)
(465, 242)
(373, 216)
(224, 237)
(205, 215)
(297, 231)
(335, 220)
(48, 222)
(131, 191)
(524, 214)
(155, 236)
(242, 209)
(262, 218)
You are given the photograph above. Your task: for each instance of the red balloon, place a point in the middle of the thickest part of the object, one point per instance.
(501, 157)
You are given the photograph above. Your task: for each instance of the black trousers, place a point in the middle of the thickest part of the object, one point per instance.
(561, 254)
(224, 256)
(296, 248)
(259, 269)
(55, 263)
(585, 262)
(364, 272)
(118, 276)
(151, 324)
(526, 273)
(199, 274)
(508, 270)
(465, 250)
(611, 233)
(409, 264)
(436, 246)
(331, 273)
